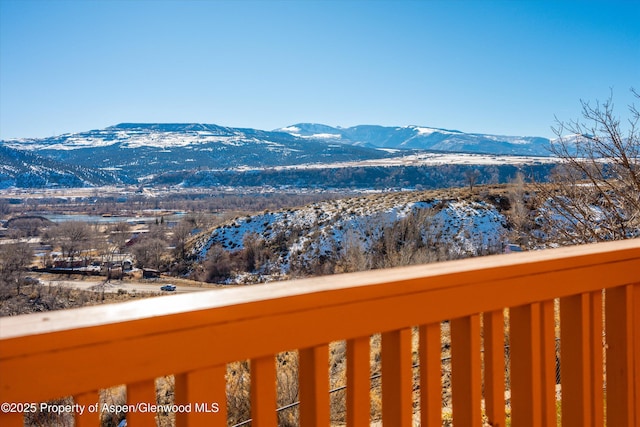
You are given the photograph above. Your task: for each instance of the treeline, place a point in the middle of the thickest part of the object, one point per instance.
(211, 201)
(25, 169)
(379, 178)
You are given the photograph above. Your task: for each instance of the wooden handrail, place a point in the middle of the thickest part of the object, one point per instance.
(193, 336)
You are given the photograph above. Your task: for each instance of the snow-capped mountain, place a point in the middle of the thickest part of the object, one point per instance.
(189, 153)
(138, 152)
(198, 136)
(422, 138)
(153, 135)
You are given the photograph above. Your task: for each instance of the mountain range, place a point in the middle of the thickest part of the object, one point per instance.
(422, 138)
(135, 153)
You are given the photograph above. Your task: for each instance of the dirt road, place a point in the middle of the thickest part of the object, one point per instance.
(95, 284)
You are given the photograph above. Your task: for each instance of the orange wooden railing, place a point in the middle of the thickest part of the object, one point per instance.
(194, 336)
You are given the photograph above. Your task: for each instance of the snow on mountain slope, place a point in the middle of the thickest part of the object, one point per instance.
(325, 229)
(138, 151)
(422, 138)
(165, 153)
(27, 169)
(168, 135)
(133, 135)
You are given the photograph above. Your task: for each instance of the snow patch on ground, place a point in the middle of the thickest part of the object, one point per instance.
(322, 229)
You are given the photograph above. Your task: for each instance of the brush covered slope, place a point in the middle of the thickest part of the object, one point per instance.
(372, 231)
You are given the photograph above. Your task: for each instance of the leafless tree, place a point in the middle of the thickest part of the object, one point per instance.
(218, 265)
(518, 212)
(73, 238)
(472, 176)
(353, 257)
(150, 252)
(14, 260)
(5, 208)
(180, 235)
(595, 192)
(118, 234)
(27, 226)
(111, 248)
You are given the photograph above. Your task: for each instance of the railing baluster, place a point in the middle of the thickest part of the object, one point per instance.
(87, 419)
(314, 386)
(548, 364)
(576, 360)
(596, 327)
(494, 367)
(635, 333)
(358, 383)
(466, 375)
(263, 392)
(205, 391)
(622, 324)
(141, 392)
(430, 375)
(525, 365)
(396, 378)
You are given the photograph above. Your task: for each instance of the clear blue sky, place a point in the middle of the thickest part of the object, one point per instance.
(501, 67)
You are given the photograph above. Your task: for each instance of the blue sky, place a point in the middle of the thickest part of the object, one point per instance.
(501, 67)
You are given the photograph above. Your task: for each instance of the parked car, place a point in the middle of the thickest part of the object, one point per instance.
(168, 288)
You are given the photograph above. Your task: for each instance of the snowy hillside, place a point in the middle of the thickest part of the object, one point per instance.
(30, 170)
(326, 230)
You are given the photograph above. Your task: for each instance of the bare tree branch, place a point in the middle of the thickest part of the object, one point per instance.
(595, 194)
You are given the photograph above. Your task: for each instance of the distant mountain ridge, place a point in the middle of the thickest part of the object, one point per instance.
(148, 152)
(165, 135)
(140, 152)
(422, 138)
